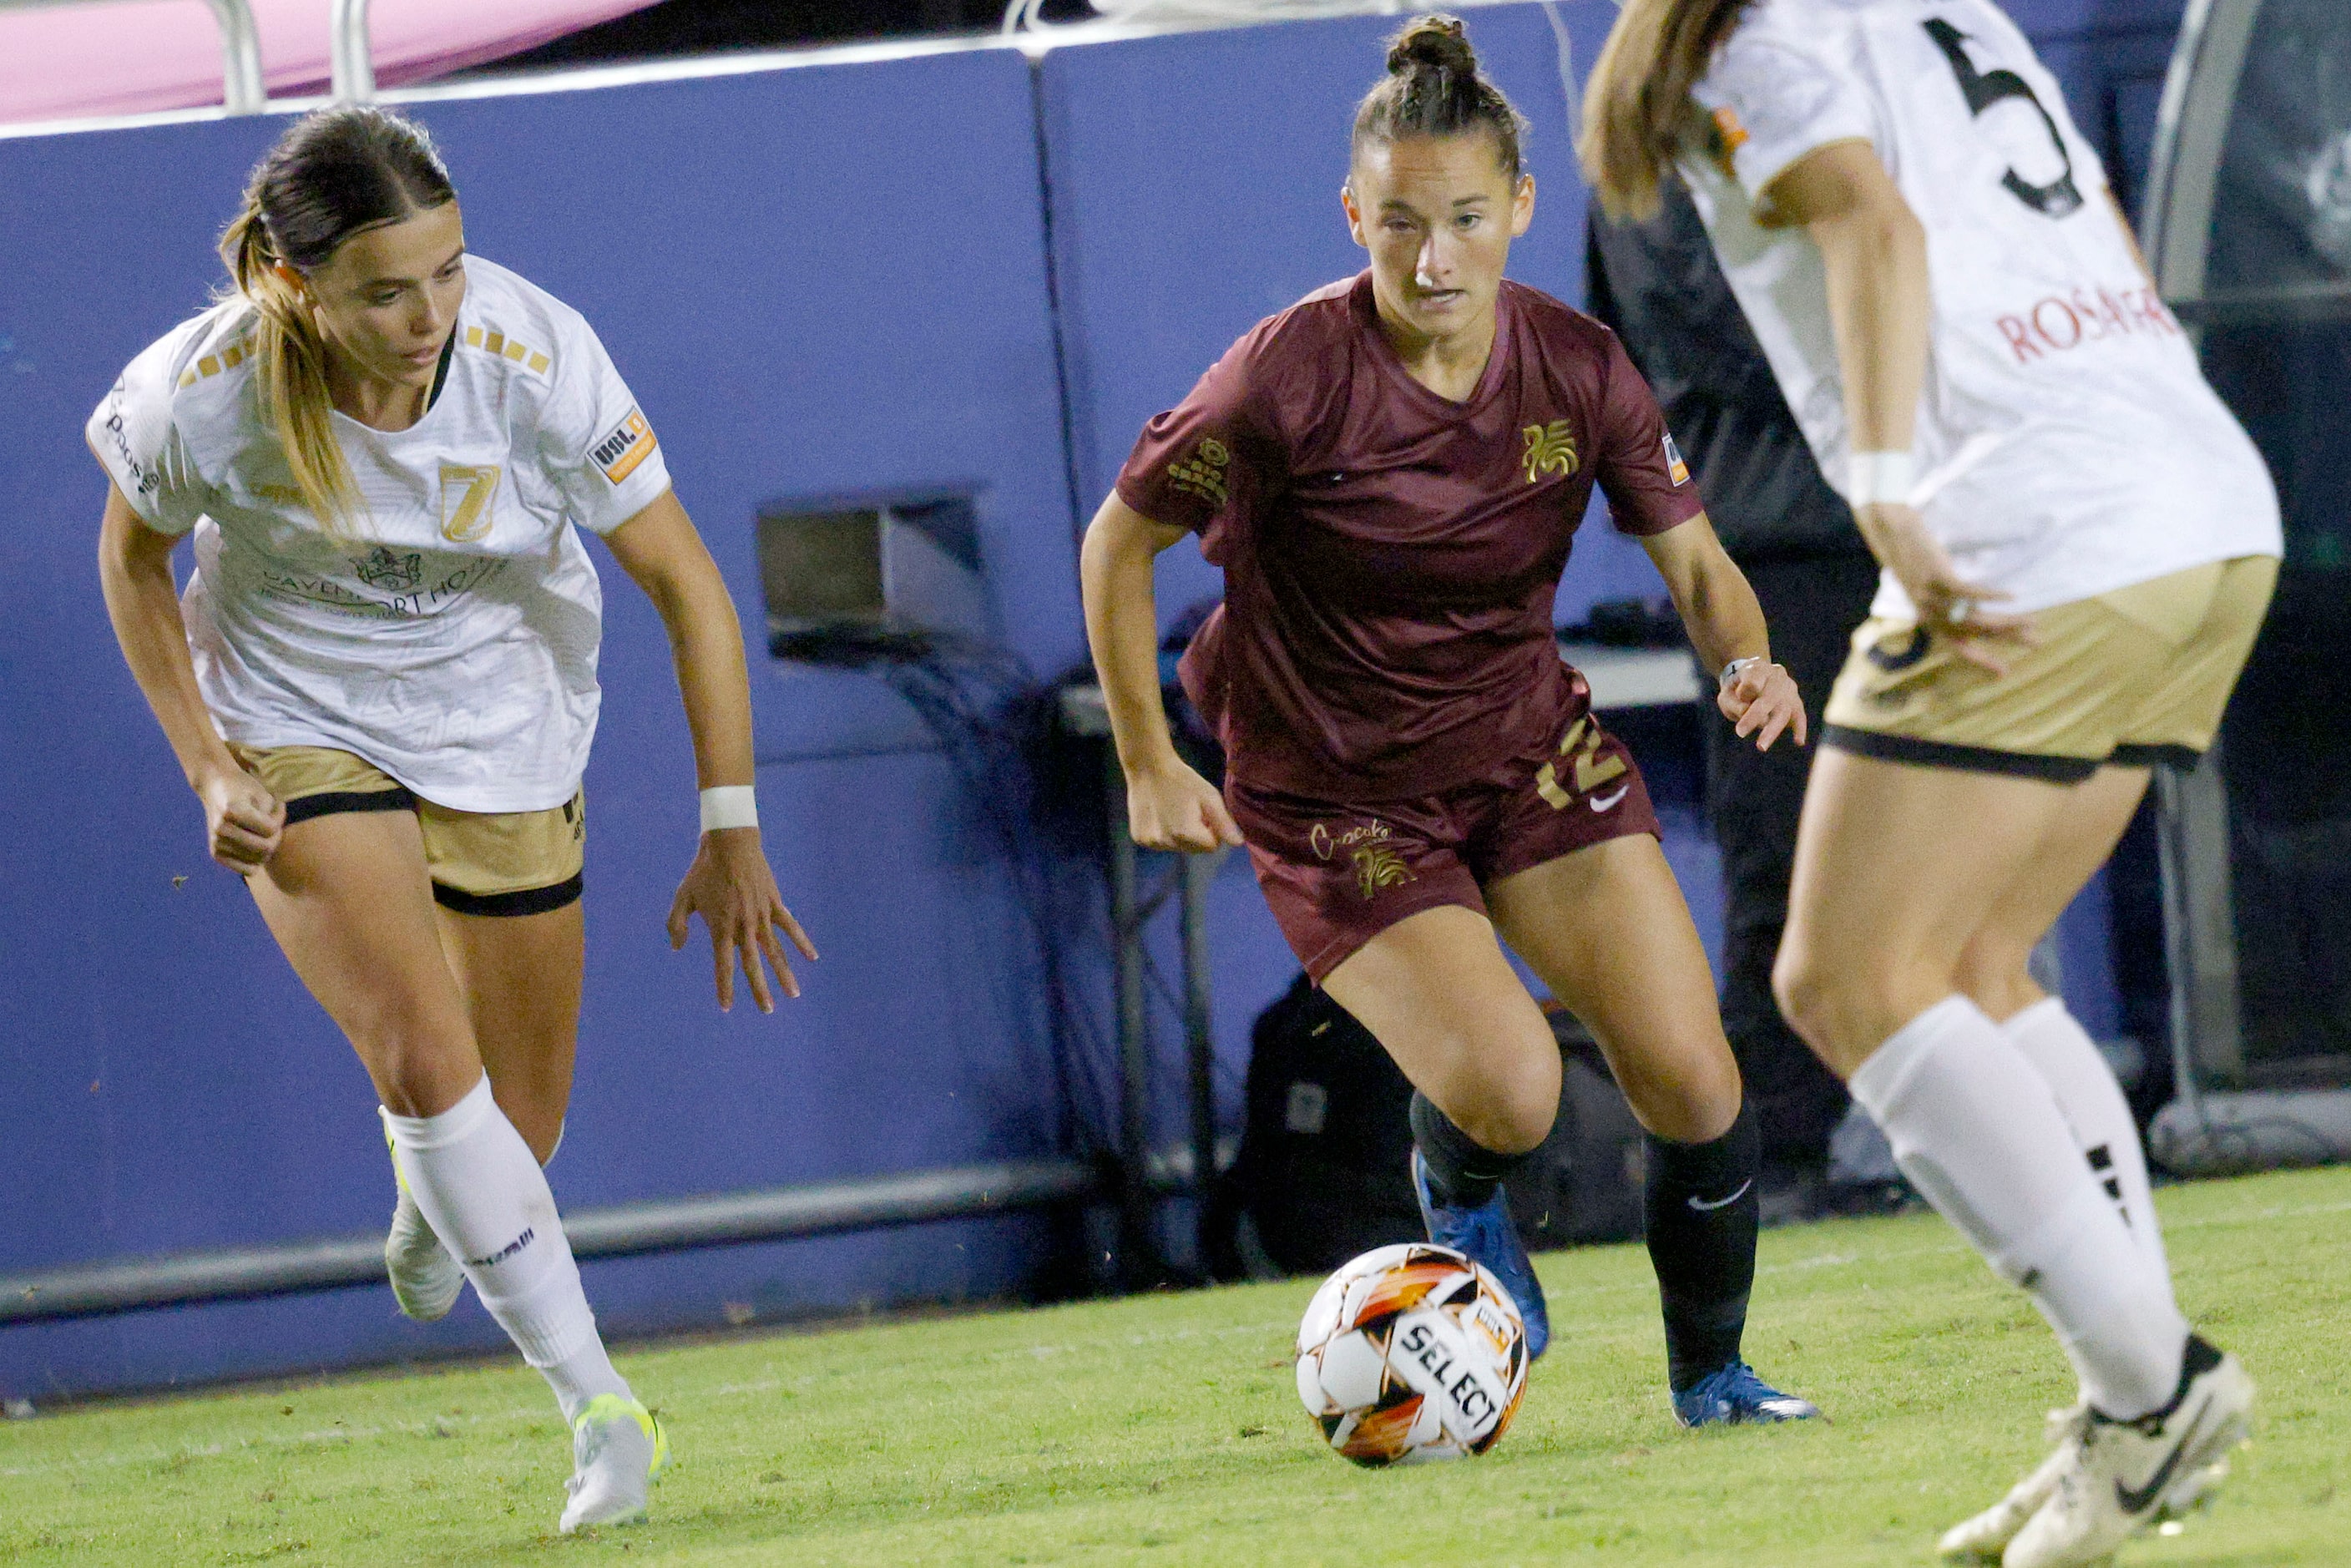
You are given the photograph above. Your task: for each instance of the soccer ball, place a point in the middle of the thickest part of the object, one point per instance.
(1412, 1353)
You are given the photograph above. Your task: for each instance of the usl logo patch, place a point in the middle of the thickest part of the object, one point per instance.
(619, 452)
(1674, 464)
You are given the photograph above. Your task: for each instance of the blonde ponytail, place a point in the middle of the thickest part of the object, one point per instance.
(1637, 111)
(290, 368)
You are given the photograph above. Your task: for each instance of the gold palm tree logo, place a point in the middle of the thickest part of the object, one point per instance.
(1551, 449)
(1378, 866)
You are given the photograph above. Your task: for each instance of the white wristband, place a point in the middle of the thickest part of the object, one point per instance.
(1881, 476)
(729, 805)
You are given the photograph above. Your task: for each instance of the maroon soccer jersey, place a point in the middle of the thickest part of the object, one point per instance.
(1391, 556)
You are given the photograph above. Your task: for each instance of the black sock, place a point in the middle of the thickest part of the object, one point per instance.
(1462, 1173)
(1702, 1210)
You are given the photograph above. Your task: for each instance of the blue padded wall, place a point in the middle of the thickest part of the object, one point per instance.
(808, 300)
(821, 279)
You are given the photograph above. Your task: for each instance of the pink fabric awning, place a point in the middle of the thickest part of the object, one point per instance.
(128, 57)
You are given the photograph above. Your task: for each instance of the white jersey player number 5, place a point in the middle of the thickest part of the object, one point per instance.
(1985, 91)
(2066, 442)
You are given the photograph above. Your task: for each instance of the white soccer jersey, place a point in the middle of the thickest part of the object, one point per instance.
(451, 638)
(2067, 442)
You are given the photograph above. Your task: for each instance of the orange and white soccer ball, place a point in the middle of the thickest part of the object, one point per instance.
(1412, 1353)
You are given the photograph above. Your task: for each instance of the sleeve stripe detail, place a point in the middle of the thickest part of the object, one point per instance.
(211, 365)
(491, 340)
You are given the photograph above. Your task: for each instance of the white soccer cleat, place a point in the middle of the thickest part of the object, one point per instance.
(425, 1280)
(618, 1450)
(2122, 1476)
(1984, 1538)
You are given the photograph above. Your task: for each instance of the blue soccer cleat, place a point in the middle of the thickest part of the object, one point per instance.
(1486, 1234)
(1733, 1395)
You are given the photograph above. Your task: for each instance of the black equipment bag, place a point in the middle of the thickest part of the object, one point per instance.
(1324, 1168)
(1324, 1173)
(1583, 1186)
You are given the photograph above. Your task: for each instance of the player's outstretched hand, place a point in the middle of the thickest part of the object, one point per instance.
(731, 887)
(1948, 605)
(1761, 700)
(1171, 807)
(243, 822)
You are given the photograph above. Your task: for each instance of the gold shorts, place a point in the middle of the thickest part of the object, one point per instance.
(2135, 677)
(503, 863)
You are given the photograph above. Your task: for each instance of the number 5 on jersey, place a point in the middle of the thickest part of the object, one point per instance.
(2060, 197)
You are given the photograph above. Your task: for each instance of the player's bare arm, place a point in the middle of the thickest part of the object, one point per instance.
(1874, 250)
(1726, 626)
(242, 821)
(730, 885)
(1169, 805)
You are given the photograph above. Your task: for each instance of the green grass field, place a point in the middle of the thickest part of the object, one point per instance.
(1165, 1430)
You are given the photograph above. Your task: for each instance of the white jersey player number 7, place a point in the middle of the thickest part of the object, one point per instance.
(2067, 443)
(452, 639)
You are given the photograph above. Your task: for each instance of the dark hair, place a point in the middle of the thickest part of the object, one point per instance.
(330, 175)
(1432, 89)
(1637, 109)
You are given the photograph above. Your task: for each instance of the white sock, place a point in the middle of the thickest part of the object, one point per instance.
(2093, 1107)
(488, 1201)
(1978, 1132)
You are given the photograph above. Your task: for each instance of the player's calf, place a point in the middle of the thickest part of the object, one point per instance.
(1458, 1183)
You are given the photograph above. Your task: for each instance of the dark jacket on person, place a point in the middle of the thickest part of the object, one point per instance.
(1658, 284)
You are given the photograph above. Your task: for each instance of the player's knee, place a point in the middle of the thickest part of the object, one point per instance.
(1516, 1106)
(421, 1064)
(1805, 989)
(1698, 1105)
(1997, 976)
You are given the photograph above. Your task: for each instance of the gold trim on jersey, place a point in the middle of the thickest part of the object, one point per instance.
(211, 365)
(491, 340)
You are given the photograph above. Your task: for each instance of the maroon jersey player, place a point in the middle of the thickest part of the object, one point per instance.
(1390, 473)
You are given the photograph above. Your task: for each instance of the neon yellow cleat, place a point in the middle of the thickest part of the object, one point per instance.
(426, 1281)
(618, 1451)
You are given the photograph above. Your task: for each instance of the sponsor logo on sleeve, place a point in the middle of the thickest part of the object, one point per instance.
(145, 478)
(1549, 449)
(1674, 464)
(1202, 473)
(625, 446)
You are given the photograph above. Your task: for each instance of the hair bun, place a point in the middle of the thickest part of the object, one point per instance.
(1437, 40)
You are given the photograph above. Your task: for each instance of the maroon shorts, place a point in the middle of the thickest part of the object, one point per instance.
(1339, 875)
